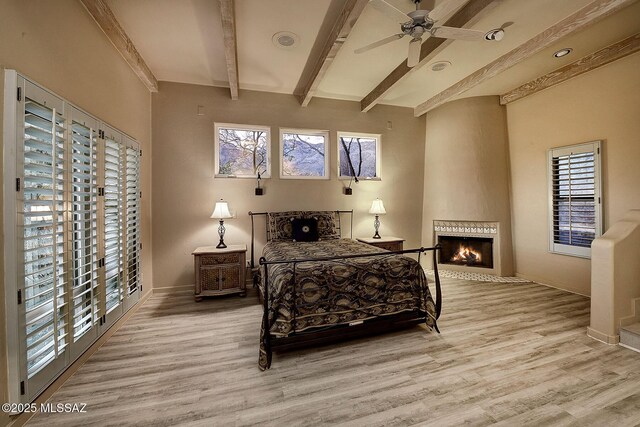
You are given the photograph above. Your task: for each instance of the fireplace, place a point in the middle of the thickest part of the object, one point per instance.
(468, 246)
(468, 251)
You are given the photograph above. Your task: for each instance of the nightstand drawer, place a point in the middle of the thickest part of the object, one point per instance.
(390, 246)
(232, 258)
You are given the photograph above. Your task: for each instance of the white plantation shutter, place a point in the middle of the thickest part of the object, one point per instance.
(43, 223)
(83, 176)
(575, 212)
(71, 233)
(113, 222)
(133, 220)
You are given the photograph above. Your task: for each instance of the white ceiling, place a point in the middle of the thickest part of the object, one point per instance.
(181, 41)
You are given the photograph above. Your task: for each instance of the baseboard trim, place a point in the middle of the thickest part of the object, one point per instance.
(182, 289)
(533, 279)
(22, 419)
(629, 347)
(599, 336)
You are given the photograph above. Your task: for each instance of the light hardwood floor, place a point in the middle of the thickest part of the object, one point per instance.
(511, 354)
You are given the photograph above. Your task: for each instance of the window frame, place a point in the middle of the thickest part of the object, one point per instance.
(377, 137)
(216, 157)
(311, 132)
(587, 147)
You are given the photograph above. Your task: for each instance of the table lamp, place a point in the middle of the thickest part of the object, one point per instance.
(221, 212)
(377, 209)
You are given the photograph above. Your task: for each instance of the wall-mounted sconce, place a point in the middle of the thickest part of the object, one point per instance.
(259, 190)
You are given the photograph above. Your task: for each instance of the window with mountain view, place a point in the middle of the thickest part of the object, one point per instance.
(358, 155)
(242, 150)
(304, 154)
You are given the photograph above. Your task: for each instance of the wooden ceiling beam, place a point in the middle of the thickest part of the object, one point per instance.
(588, 15)
(227, 12)
(107, 21)
(350, 13)
(466, 16)
(590, 62)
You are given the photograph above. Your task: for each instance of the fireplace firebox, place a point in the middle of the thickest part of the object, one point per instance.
(466, 250)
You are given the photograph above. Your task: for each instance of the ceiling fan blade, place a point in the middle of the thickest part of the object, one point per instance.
(391, 11)
(414, 52)
(379, 43)
(457, 33)
(445, 9)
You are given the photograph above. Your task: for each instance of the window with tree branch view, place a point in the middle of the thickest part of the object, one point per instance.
(242, 150)
(304, 154)
(363, 152)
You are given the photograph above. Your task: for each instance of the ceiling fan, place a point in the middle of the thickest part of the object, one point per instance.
(421, 24)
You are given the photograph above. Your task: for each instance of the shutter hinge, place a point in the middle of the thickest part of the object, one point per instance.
(100, 321)
(19, 296)
(17, 184)
(100, 191)
(22, 391)
(101, 262)
(104, 318)
(19, 94)
(598, 150)
(598, 200)
(140, 153)
(140, 246)
(100, 133)
(141, 194)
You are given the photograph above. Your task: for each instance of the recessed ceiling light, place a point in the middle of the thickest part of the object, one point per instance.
(440, 65)
(285, 39)
(563, 52)
(494, 35)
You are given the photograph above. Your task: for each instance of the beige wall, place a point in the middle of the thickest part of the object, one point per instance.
(602, 104)
(466, 168)
(58, 45)
(185, 189)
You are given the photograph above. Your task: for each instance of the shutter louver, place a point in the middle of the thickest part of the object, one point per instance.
(43, 223)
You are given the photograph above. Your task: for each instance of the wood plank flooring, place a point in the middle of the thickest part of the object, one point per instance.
(508, 354)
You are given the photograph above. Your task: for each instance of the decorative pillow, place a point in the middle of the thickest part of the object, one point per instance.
(305, 229)
(280, 225)
(327, 224)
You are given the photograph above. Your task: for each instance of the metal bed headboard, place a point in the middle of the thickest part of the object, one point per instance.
(268, 233)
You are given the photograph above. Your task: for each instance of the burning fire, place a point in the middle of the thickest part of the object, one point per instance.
(466, 255)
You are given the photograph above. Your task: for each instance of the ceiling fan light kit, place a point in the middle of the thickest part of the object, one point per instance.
(420, 24)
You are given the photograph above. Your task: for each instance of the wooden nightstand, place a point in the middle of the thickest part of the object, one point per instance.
(220, 271)
(388, 243)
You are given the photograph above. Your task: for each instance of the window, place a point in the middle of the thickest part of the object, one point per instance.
(242, 150)
(359, 155)
(575, 208)
(304, 154)
(71, 217)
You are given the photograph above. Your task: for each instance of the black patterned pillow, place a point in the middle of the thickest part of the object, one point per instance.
(305, 229)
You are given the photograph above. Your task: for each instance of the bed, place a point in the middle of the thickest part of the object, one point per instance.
(333, 287)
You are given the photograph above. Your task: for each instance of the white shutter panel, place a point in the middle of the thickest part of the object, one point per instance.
(113, 223)
(83, 176)
(43, 235)
(133, 220)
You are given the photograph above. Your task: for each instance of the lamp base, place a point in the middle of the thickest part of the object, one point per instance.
(221, 231)
(221, 245)
(376, 225)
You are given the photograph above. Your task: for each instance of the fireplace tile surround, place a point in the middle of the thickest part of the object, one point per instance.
(471, 229)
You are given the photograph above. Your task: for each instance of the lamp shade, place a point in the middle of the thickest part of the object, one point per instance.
(221, 211)
(377, 208)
